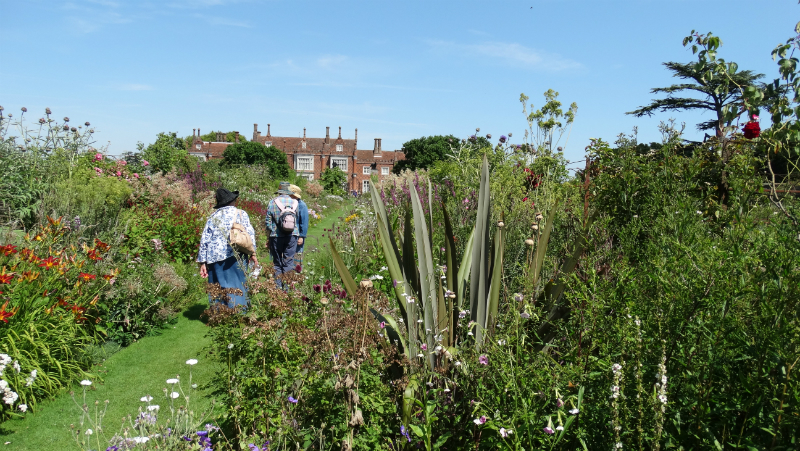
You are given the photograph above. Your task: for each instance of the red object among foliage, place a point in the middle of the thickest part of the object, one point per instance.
(4, 314)
(752, 130)
(533, 179)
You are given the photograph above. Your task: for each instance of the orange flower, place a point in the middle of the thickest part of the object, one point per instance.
(86, 277)
(108, 276)
(38, 237)
(94, 301)
(49, 263)
(30, 276)
(94, 255)
(27, 255)
(54, 222)
(5, 315)
(8, 250)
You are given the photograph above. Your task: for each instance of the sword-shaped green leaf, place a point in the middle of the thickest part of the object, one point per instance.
(426, 272)
(541, 246)
(347, 280)
(497, 281)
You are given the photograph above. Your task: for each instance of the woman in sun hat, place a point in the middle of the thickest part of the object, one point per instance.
(216, 258)
(302, 217)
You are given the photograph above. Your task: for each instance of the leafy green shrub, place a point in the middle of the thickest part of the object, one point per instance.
(333, 180)
(258, 154)
(166, 153)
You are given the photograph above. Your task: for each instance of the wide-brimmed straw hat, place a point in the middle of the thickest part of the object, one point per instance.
(284, 189)
(224, 197)
(295, 191)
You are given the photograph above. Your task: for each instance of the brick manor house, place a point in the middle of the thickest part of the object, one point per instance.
(309, 156)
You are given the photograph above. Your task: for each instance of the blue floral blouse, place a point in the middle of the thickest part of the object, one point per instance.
(214, 245)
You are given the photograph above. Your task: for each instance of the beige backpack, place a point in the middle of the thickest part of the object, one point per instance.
(239, 238)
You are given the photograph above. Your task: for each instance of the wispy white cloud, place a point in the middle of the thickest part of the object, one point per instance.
(331, 61)
(223, 21)
(92, 15)
(134, 87)
(510, 52)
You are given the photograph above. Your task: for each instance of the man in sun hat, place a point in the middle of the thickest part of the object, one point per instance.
(302, 216)
(283, 227)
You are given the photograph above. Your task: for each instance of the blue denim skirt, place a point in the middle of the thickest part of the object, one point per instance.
(229, 274)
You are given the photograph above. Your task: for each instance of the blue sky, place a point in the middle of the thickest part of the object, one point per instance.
(394, 70)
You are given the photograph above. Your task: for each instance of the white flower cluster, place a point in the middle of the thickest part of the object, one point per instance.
(661, 385)
(9, 396)
(31, 379)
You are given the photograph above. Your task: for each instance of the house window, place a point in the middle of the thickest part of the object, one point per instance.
(268, 143)
(340, 163)
(365, 186)
(304, 145)
(339, 147)
(385, 171)
(309, 177)
(305, 163)
(366, 170)
(198, 146)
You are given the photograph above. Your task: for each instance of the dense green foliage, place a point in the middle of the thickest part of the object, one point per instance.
(333, 180)
(166, 153)
(258, 154)
(422, 152)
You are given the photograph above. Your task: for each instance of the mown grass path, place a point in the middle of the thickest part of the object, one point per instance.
(140, 369)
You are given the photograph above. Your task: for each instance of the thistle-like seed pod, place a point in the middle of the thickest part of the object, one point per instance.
(66, 119)
(535, 227)
(74, 129)
(366, 283)
(47, 111)
(86, 123)
(529, 242)
(24, 110)
(323, 301)
(66, 127)
(539, 216)
(501, 224)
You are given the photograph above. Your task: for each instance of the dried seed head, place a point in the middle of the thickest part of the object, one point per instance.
(74, 129)
(66, 127)
(366, 283)
(323, 301)
(535, 227)
(86, 123)
(501, 224)
(539, 216)
(47, 111)
(24, 110)
(66, 119)
(529, 242)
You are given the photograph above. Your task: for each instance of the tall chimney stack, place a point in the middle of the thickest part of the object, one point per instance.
(379, 144)
(375, 146)
(327, 135)
(340, 132)
(255, 132)
(236, 139)
(356, 140)
(304, 133)
(268, 132)
(194, 133)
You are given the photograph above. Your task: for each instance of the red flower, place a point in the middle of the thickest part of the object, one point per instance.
(752, 130)
(48, 263)
(101, 245)
(108, 276)
(6, 278)
(8, 250)
(94, 255)
(86, 277)
(5, 315)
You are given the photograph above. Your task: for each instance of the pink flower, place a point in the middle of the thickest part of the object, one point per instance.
(98, 156)
(123, 162)
(559, 402)
(483, 359)
(144, 162)
(136, 175)
(424, 347)
(119, 174)
(549, 430)
(98, 170)
(383, 325)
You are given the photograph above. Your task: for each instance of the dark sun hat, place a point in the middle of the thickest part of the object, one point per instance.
(284, 189)
(225, 197)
